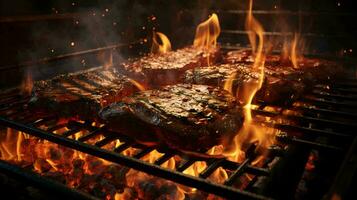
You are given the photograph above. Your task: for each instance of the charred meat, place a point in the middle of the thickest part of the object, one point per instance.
(80, 94)
(184, 116)
(166, 68)
(281, 84)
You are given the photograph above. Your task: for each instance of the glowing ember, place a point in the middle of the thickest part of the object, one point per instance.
(162, 46)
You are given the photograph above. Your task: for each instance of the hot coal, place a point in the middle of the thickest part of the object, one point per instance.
(183, 116)
(81, 94)
(166, 68)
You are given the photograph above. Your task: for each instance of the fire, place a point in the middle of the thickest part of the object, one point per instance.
(160, 47)
(141, 87)
(27, 84)
(290, 53)
(207, 33)
(250, 132)
(106, 57)
(293, 55)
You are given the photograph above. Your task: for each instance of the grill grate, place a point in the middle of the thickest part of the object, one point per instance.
(325, 114)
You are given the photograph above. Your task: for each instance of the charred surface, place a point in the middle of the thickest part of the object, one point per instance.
(188, 117)
(166, 68)
(80, 94)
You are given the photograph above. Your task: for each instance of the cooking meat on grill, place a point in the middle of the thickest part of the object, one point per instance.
(245, 56)
(81, 94)
(280, 85)
(166, 68)
(184, 116)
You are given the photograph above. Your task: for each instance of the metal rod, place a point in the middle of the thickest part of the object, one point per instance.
(238, 172)
(105, 141)
(211, 168)
(286, 12)
(163, 158)
(65, 56)
(287, 34)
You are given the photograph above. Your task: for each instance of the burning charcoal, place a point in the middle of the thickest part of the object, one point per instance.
(54, 153)
(41, 165)
(166, 116)
(127, 194)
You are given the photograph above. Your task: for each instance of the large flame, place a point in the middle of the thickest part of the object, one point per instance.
(160, 43)
(207, 33)
(250, 132)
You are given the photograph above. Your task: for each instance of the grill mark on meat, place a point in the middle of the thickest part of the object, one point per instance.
(164, 69)
(280, 84)
(180, 116)
(80, 94)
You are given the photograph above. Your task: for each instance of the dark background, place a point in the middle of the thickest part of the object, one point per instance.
(30, 30)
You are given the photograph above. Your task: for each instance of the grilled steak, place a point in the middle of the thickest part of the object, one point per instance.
(80, 94)
(184, 116)
(280, 84)
(164, 69)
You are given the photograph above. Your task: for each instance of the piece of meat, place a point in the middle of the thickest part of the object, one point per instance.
(164, 69)
(184, 116)
(81, 94)
(245, 56)
(279, 85)
(314, 70)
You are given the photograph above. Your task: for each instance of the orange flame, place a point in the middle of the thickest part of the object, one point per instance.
(250, 132)
(293, 55)
(160, 47)
(137, 84)
(106, 57)
(207, 33)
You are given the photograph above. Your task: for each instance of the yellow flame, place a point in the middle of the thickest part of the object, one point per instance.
(137, 84)
(249, 132)
(207, 33)
(160, 47)
(293, 55)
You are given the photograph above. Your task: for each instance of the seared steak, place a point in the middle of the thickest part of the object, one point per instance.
(184, 116)
(80, 94)
(280, 84)
(164, 69)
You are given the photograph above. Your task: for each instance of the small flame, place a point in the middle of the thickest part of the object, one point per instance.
(137, 84)
(106, 57)
(293, 55)
(290, 53)
(163, 46)
(207, 33)
(27, 84)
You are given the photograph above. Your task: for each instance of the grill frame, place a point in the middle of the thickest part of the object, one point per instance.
(177, 176)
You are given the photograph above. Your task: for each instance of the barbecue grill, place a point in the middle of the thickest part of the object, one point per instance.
(322, 130)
